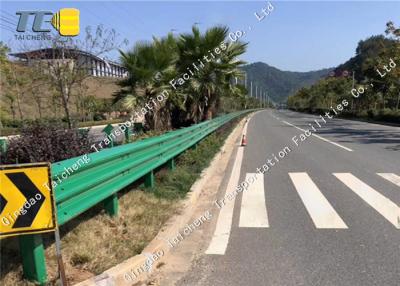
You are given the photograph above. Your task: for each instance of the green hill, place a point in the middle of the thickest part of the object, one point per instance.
(280, 84)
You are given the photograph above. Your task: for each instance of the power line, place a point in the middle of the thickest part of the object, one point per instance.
(9, 22)
(9, 19)
(7, 28)
(5, 12)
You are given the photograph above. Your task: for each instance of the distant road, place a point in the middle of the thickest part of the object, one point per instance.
(326, 214)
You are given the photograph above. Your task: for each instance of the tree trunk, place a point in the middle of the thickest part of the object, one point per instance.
(38, 102)
(12, 108)
(209, 114)
(18, 96)
(65, 96)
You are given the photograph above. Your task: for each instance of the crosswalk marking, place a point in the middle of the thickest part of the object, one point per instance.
(393, 178)
(318, 207)
(380, 203)
(253, 212)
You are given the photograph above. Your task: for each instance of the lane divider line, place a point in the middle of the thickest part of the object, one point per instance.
(319, 137)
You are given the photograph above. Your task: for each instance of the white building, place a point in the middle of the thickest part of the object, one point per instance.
(94, 65)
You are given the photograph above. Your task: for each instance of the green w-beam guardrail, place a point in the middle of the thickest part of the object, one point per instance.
(106, 173)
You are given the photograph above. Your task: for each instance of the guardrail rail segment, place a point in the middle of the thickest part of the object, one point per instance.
(108, 172)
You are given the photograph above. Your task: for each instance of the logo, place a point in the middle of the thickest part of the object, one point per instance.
(65, 21)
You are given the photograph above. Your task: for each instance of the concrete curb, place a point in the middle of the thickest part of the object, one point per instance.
(121, 274)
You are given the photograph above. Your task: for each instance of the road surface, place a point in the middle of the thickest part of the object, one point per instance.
(326, 214)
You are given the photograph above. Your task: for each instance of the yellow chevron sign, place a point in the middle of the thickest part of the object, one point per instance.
(26, 199)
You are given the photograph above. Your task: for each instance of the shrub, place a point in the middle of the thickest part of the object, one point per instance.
(99, 117)
(45, 142)
(371, 113)
(389, 115)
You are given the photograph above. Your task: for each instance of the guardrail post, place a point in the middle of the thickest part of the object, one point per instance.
(111, 205)
(171, 164)
(108, 130)
(33, 260)
(128, 134)
(149, 180)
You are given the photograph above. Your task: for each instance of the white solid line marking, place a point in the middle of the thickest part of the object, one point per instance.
(319, 137)
(318, 207)
(253, 212)
(380, 203)
(220, 239)
(393, 178)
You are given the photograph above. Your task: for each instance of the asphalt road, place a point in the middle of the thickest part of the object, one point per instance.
(320, 216)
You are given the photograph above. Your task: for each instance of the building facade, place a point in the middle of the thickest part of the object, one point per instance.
(94, 65)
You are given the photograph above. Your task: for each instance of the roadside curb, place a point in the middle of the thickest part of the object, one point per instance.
(119, 274)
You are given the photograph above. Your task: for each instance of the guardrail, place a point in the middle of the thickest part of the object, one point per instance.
(106, 173)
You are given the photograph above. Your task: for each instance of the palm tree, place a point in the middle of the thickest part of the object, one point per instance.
(149, 66)
(198, 98)
(215, 79)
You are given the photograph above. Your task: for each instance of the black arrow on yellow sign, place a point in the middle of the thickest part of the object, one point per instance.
(3, 203)
(29, 190)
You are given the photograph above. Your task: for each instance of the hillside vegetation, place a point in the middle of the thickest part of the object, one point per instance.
(280, 84)
(374, 93)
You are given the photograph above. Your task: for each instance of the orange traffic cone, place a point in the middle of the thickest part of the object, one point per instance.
(244, 140)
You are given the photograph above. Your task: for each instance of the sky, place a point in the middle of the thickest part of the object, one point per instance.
(295, 36)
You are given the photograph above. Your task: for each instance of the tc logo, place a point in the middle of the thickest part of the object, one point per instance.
(65, 21)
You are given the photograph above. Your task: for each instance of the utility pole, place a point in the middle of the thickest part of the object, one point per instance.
(261, 96)
(352, 98)
(264, 99)
(251, 88)
(245, 80)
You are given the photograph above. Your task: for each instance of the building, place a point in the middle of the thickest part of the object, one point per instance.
(94, 65)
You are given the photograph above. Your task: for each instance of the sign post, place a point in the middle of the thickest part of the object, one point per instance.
(27, 209)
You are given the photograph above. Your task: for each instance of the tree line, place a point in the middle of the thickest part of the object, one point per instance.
(373, 75)
(199, 70)
(56, 87)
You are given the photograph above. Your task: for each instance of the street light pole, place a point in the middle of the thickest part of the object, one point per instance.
(264, 100)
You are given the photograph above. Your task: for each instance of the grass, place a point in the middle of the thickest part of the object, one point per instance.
(94, 242)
